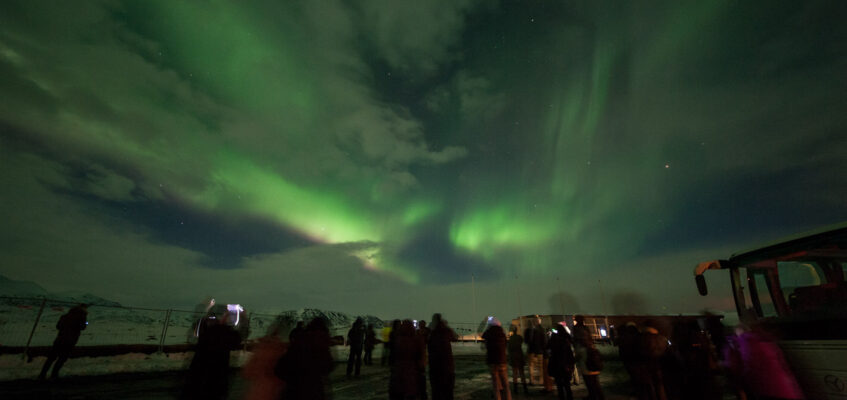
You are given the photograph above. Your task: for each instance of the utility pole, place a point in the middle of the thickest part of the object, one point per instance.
(561, 302)
(473, 297)
(520, 307)
(603, 300)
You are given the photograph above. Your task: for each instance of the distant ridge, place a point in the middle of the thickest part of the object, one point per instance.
(28, 289)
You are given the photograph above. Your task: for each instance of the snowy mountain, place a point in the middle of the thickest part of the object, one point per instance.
(29, 289)
(337, 320)
(13, 288)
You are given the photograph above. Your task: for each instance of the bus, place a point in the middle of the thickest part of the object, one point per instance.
(797, 287)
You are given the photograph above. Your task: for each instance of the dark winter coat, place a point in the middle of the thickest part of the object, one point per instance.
(628, 344)
(516, 357)
(370, 339)
(495, 345)
(407, 363)
(561, 364)
(208, 374)
(581, 335)
(536, 340)
(356, 336)
(307, 364)
(70, 326)
(440, 349)
(651, 347)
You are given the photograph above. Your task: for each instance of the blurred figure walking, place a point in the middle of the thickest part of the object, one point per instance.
(370, 344)
(495, 357)
(70, 326)
(760, 367)
(562, 362)
(259, 370)
(387, 335)
(356, 341)
(516, 359)
(442, 373)
(590, 363)
(306, 366)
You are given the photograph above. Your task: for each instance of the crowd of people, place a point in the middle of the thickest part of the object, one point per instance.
(683, 366)
(300, 368)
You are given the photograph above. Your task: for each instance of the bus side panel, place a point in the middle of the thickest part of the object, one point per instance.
(819, 365)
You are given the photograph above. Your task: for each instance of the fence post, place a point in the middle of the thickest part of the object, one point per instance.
(164, 330)
(34, 326)
(249, 328)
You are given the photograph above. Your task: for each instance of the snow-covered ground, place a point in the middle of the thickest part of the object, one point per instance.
(112, 325)
(473, 381)
(14, 366)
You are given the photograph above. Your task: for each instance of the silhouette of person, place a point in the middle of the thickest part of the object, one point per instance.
(652, 347)
(561, 365)
(370, 344)
(406, 363)
(516, 359)
(535, 344)
(760, 364)
(582, 353)
(442, 372)
(389, 343)
(70, 326)
(495, 357)
(423, 336)
(356, 340)
(628, 352)
(306, 366)
(296, 332)
(208, 373)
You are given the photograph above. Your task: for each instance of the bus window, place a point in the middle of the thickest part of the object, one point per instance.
(803, 284)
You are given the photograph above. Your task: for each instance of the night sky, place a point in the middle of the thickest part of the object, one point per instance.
(374, 156)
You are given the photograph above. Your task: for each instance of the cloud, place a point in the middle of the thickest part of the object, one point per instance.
(406, 42)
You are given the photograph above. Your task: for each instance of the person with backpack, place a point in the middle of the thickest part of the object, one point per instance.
(70, 326)
(590, 363)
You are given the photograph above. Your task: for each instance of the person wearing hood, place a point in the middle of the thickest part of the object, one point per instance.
(495, 357)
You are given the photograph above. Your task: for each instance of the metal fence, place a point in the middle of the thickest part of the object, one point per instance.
(31, 323)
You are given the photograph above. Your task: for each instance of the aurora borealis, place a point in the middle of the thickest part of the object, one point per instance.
(372, 156)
